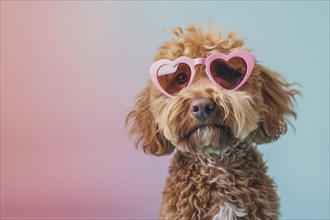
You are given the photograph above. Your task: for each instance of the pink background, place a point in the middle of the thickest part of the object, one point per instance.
(68, 78)
(70, 71)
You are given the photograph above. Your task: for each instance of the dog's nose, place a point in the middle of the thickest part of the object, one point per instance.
(202, 107)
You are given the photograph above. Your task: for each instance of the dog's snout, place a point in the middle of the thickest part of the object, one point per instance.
(202, 107)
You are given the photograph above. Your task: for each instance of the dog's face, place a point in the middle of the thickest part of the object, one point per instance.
(203, 118)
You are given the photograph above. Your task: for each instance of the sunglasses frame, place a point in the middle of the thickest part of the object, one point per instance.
(246, 56)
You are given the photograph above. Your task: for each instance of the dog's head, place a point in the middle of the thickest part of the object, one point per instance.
(207, 107)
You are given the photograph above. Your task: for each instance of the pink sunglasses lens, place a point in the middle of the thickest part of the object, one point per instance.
(174, 78)
(228, 74)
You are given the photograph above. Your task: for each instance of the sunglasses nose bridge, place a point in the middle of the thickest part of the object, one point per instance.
(199, 61)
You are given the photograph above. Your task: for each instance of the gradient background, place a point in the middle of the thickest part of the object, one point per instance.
(69, 75)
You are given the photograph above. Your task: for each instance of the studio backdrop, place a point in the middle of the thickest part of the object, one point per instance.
(70, 73)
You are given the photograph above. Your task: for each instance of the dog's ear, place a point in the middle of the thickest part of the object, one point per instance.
(143, 126)
(277, 105)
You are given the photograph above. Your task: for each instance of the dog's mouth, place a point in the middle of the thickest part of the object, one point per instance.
(209, 138)
(188, 133)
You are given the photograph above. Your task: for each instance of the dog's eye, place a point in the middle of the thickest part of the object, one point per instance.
(181, 78)
(228, 74)
(221, 70)
(173, 82)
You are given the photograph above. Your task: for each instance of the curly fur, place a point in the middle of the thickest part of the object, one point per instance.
(217, 171)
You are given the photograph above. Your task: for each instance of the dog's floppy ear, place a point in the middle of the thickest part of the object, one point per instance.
(143, 126)
(278, 100)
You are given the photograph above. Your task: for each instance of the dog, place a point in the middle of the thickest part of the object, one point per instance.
(211, 102)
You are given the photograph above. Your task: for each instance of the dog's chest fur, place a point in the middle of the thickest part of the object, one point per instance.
(235, 187)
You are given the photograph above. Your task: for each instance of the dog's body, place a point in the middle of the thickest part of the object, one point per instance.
(236, 186)
(217, 171)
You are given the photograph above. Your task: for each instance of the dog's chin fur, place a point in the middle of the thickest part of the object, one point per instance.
(217, 171)
(209, 140)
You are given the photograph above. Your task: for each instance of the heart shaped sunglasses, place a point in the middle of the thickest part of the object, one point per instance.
(230, 71)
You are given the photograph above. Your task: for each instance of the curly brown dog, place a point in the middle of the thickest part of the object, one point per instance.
(211, 101)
